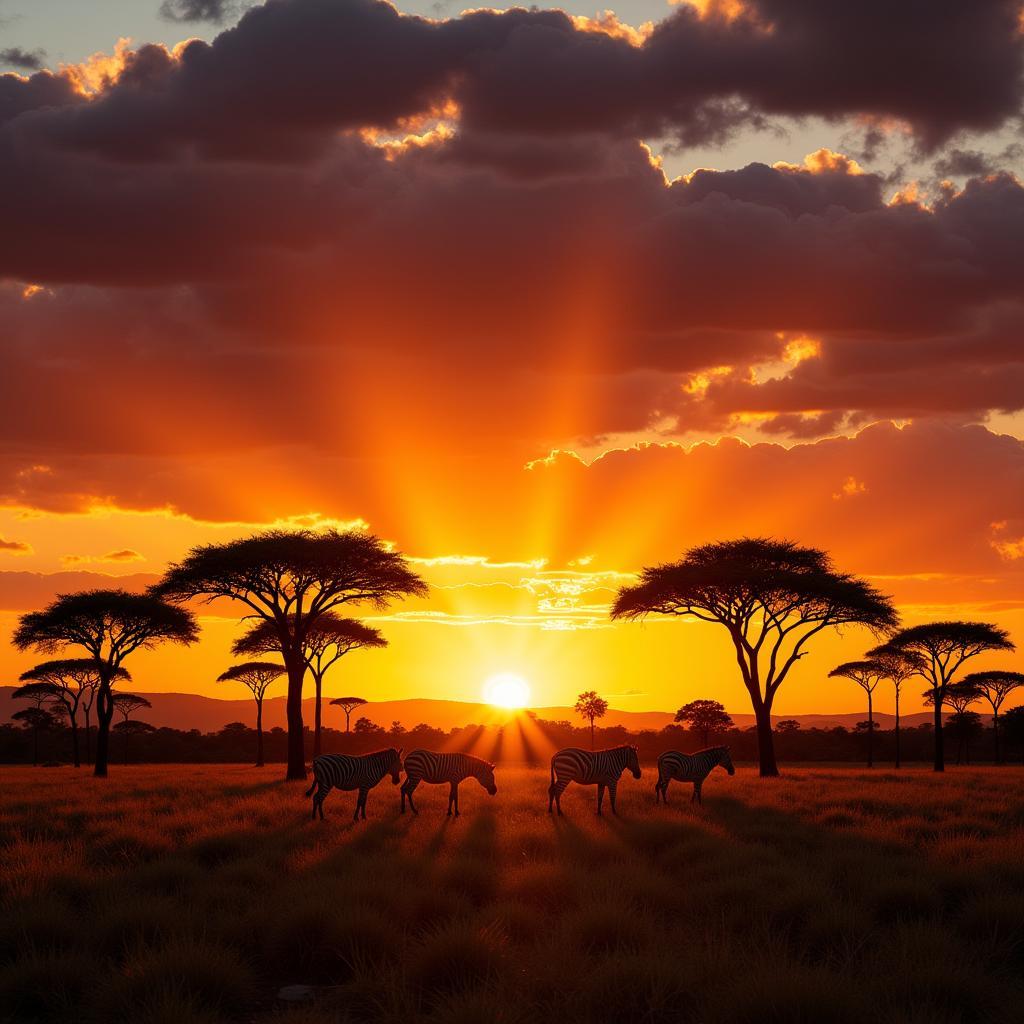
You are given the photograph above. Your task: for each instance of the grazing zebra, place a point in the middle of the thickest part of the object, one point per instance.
(695, 768)
(591, 767)
(429, 766)
(346, 771)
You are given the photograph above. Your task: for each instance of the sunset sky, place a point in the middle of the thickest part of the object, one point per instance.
(540, 296)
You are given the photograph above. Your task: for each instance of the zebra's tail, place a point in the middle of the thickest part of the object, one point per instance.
(309, 792)
(552, 771)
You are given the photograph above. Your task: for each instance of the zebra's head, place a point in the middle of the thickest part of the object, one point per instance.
(395, 764)
(486, 777)
(633, 762)
(726, 761)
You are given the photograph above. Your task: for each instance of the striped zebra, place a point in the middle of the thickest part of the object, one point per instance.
(347, 771)
(590, 767)
(695, 768)
(430, 766)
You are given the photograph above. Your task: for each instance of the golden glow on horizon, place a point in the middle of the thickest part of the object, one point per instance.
(507, 690)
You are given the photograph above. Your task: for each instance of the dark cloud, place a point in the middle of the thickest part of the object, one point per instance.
(23, 60)
(215, 11)
(289, 75)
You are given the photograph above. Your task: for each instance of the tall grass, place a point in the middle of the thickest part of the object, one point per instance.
(194, 893)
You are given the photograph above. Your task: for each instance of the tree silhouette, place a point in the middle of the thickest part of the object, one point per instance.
(348, 705)
(705, 717)
(898, 667)
(772, 596)
(867, 675)
(75, 681)
(787, 725)
(364, 725)
(959, 696)
(1013, 724)
(40, 694)
(941, 649)
(110, 625)
(37, 719)
(257, 675)
(127, 704)
(129, 729)
(329, 638)
(995, 686)
(591, 707)
(292, 579)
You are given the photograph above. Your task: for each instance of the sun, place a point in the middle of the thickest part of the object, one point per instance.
(507, 690)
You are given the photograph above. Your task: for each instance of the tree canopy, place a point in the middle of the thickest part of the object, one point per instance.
(291, 579)
(705, 717)
(772, 596)
(939, 650)
(257, 675)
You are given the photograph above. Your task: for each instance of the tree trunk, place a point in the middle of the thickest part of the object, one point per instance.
(897, 728)
(871, 732)
(35, 746)
(104, 713)
(995, 734)
(259, 733)
(591, 734)
(74, 742)
(348, 719)
(765, 741)
(318, 680)
(126, 744)
(940, 761)
(88, 738)
(296, 666)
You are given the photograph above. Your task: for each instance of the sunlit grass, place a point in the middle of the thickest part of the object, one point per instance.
(194, 893)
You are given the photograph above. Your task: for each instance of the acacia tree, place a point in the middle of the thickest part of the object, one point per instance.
(941, 648)
(291, 579)
(995, 686)
(127, 704)
(772, 596)
(867, 675)
(257, 675)
(898, 667)
(110, 625)
(36, 717)
(331, 637)
(591, 707)
(348, 705)
(75, 681)
(705, 717)
(959, 696)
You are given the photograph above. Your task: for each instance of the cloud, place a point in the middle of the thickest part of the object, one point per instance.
(15, 547)
(23, 60)
(215, 11)
(122, 555)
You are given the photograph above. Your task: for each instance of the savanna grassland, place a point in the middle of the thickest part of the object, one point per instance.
(194, 893)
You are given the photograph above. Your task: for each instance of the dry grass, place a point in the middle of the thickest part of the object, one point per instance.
(191, 894)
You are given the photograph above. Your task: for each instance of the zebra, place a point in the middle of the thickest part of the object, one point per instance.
(430, 766)
(348, 771)
(590, 767)
(695, 768)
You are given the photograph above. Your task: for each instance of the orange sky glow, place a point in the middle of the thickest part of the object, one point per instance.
(516, 326)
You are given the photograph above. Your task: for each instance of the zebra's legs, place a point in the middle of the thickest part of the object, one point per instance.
(453, 798)
(360, 805)
(555, 791)
(318, 800)
(612, 786)
(663, 784)
(696, 792)
(600, 796)
(407, 789)
(316, 786)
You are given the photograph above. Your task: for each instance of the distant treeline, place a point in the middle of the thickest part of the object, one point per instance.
(529, 741)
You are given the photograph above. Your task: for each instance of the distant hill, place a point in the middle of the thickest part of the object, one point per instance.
(210, 714)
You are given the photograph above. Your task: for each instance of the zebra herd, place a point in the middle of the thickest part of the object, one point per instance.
(601, 768)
